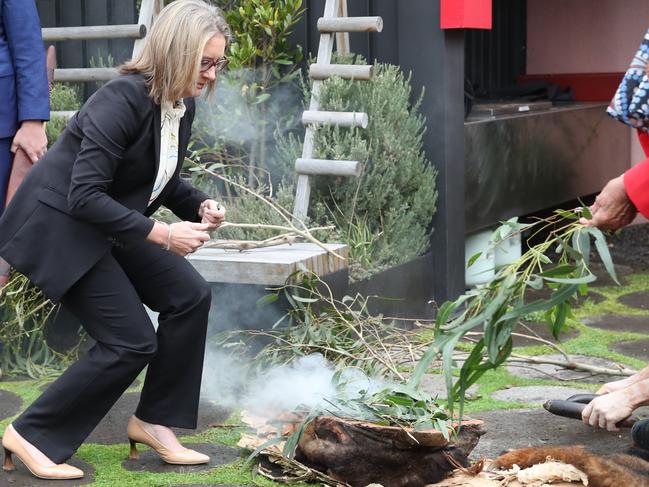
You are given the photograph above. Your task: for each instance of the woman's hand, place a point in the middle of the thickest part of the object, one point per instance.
(612, 208)
(181, 238)
(211, 213)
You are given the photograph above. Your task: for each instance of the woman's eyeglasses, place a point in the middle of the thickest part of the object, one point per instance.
(219, 64)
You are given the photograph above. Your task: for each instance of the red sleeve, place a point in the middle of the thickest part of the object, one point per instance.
(636, 183)
(643, 137)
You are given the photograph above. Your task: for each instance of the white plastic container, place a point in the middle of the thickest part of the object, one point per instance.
(483, 269)
(508, 251)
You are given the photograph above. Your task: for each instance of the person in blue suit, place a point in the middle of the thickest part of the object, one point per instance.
(24, 93)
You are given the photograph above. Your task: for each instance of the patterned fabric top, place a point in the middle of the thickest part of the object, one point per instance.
(170, 116)
(630, 104)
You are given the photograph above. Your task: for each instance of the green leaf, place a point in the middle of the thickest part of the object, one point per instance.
(266, 300)
(569, 215)
(573, 280)
(473, 259)
(560, 320)
(604, 254)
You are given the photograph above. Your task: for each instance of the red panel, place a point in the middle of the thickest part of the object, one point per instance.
(586, 86)
(465, 14)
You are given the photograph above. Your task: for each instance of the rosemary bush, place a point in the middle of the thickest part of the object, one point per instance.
(385, 214)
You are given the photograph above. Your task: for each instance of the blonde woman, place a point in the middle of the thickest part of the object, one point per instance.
(79, 227)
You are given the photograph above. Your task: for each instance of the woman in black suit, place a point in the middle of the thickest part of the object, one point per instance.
(79, 227)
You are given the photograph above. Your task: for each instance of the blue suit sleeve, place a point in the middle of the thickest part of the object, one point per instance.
(23, 29)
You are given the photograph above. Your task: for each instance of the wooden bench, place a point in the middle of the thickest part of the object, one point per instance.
(270, 266)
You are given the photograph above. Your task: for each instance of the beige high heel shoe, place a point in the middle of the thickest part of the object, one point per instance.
(137, 434)
(13, 445)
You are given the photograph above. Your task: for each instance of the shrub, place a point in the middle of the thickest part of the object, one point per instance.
(64, 97)
(385, 214)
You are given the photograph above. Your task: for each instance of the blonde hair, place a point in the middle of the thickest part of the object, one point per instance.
(171, 57)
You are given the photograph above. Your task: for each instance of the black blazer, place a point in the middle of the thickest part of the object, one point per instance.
(91, 189)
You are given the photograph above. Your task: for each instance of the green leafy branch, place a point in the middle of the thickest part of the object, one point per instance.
(559, 263)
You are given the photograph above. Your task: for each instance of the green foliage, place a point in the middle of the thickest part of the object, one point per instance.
(63, 97)
(559, 264)
(54, 128)
(261, 30)
(384, 215)
(24, 312)
(257, 96)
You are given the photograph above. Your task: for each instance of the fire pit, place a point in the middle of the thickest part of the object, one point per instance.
(360, 453)
(357, 453)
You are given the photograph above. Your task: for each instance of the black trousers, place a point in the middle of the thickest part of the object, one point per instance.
(108, 302)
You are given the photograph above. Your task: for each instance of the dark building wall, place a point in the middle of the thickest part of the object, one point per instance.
(78, 54)
(494, 58)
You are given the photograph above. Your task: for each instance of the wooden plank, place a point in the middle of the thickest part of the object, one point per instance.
(267, 266)
(341, 119)
(148, 9)
(85, 74)
(88, 32)
(324, 166)
(303, 188)
(346, 71)
(342, 38)
(350, 24)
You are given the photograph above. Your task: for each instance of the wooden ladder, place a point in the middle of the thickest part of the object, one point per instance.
(334, 21)
(148, 10)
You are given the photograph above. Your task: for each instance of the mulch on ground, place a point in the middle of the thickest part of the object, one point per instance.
(633, 348)
(619, 323)
(10, 404)
(639, 300)
(630, 247)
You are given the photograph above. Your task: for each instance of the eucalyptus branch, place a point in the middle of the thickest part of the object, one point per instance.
(282, 212)
(574, 365)
(286, 238)
(559, 264)
(290, 229)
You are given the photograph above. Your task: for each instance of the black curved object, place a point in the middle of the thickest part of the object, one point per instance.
(571, 409)
(582, 398)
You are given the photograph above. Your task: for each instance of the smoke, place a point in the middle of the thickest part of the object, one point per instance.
(306, 382)
(242, 115)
